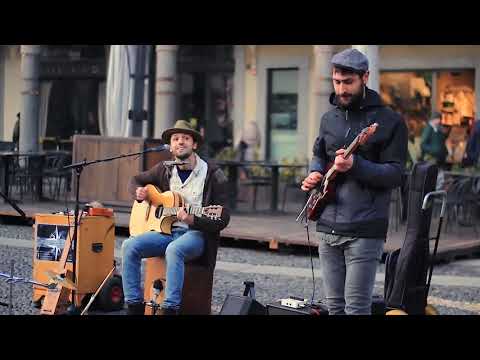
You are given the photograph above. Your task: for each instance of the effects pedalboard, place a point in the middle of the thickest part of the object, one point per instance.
(294, 302)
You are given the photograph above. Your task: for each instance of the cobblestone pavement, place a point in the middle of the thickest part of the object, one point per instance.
(277, 274)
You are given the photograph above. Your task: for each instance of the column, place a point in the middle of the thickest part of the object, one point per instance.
(30, 62)
(322, 88)
(3, 51)
(371, 52)
(137, 114)
(239, 93)
(165, 95)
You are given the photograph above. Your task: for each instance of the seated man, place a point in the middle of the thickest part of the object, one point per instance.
(200, 184)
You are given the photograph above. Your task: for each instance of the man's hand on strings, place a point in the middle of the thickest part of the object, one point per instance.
(183, 216)
(311, 181)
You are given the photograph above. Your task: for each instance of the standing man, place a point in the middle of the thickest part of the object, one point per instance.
(16, 132)
(472, 154)
(200, 184)
(353, 227)
(434, 139)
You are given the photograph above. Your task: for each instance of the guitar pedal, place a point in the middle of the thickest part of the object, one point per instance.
(294, 303)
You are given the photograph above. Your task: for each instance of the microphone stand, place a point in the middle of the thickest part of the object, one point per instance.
(78, 168)
(12, 204)
(11, 280)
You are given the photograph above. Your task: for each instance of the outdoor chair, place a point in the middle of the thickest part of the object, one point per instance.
(54, 176)
(255, 181)
(25, 175)
(461, 203)
(294, 182)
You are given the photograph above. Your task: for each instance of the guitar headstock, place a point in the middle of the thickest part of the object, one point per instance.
(212, 212)
(367, 133)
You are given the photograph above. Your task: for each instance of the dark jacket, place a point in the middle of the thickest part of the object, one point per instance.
(433, 143)
(362, 199)
(214, 193)
(473, 146)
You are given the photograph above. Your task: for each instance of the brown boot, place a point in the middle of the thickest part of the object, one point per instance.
(136, 309)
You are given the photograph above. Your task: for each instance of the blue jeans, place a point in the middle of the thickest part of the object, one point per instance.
(182, 246)
(348, 272)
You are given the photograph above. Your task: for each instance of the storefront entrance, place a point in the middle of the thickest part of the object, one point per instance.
(206, 93)
(71, 83)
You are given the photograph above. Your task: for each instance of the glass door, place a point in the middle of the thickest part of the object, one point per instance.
(282, 114)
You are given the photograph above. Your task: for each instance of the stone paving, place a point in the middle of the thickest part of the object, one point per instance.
(459, 293)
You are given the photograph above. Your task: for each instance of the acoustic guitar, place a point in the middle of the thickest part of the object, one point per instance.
(325, 193)
(158, 212)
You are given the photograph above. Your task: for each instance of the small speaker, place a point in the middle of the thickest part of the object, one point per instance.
(242, 305)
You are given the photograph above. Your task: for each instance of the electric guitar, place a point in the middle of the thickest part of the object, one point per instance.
(325, 193)
(158, 212)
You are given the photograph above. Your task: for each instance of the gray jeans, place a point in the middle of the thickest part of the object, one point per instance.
(348, 268)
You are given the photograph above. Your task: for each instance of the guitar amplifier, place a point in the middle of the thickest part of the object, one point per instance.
(94, 253)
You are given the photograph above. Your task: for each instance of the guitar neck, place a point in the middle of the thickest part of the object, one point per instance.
(351, 149)
(348, 152)
(191, 210)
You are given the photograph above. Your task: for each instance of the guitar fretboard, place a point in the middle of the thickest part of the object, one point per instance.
(350, 150)
(352, 147)
(191, 210)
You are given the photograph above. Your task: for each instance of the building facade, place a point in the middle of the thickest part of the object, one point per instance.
(223, 89)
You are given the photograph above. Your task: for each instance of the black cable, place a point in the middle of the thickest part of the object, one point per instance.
(311, 262)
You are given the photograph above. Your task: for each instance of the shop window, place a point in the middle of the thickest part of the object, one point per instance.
(410, 94)
(456, 99)
(416, 94)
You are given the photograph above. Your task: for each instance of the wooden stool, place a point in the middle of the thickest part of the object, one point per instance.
(197, 286)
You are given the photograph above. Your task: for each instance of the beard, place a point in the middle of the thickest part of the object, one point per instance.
(184, 156)
(350, 101)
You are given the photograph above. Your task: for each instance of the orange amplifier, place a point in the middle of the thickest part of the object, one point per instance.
(94, 253)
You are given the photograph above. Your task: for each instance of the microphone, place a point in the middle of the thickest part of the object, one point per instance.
(158, 148)
(175, 162)
(157, 288)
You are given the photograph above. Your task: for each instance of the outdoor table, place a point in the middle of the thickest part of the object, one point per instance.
(275, 166)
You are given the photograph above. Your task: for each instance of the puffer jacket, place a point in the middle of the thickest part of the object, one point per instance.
(362, 198)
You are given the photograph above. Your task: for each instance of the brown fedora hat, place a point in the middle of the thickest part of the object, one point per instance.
(184, 127)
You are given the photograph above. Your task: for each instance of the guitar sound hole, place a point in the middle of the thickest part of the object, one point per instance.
(158, 212)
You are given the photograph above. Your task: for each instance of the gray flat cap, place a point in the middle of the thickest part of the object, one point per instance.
(351, 59)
